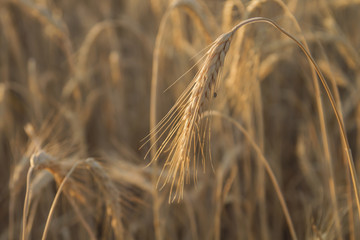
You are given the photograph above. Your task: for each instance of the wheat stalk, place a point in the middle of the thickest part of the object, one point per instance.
(183, 118)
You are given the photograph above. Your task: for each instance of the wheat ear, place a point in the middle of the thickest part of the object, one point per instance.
(202, 90)
(183, 118)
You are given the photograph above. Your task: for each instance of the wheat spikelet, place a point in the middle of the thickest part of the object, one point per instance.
(183, 119)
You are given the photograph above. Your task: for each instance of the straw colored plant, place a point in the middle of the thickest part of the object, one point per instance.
(260, 134)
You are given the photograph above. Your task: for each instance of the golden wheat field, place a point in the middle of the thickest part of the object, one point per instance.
(179, 119)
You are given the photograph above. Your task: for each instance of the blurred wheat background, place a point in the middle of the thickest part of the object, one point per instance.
(83, 82)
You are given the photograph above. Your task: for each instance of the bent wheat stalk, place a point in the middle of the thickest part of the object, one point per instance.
(182, 122)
